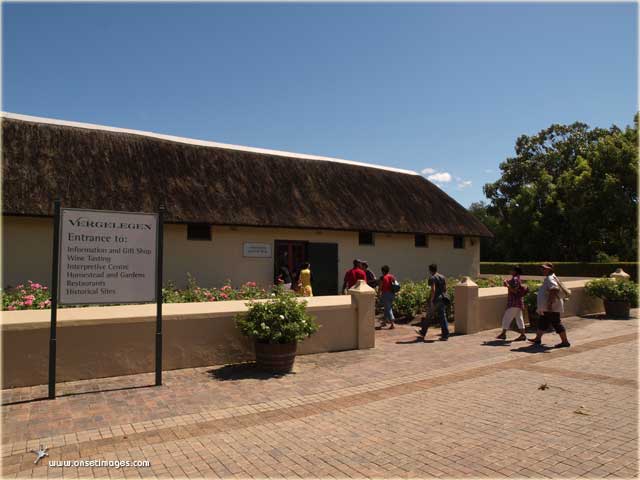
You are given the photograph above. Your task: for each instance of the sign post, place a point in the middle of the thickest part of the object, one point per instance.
(54, 299)
(105, 257)
(159, 298)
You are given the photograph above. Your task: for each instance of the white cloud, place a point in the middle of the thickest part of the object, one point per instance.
(441, 177)
(464, 184)
(428, 171)
(488, 170)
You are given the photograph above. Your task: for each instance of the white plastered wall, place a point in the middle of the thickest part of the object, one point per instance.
(27, 246)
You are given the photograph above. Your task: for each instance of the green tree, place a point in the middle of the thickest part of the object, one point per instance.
(570, 193)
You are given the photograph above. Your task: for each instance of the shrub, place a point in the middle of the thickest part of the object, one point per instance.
(411, 299)
(195, 293)
(413, 296)
(531, 298)
(613, 290)
(495, 281)
(283, 319)
(34, 296)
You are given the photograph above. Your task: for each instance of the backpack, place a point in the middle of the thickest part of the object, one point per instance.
(395, 286)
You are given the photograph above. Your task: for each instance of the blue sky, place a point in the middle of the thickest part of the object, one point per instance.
(440, 88)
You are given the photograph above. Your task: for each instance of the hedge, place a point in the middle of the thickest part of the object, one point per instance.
(563, 269)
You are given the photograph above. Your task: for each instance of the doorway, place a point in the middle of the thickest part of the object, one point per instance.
(323, 258)
(324, 267)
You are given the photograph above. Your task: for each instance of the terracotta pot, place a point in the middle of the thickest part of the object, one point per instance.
(617, 309)
(276, 357)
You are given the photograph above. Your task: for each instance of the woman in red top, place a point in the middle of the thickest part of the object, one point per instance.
(387, 295)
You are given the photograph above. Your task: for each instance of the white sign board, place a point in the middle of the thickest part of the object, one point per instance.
(107, 257)
(261, 250)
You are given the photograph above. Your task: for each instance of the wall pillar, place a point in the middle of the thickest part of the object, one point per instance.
(620, 275)
(364, 298)
(466, 307)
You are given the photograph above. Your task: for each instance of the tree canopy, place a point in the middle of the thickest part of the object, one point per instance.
(569, 194)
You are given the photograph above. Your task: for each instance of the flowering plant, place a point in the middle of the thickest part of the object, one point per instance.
(31, 296)
(195, 293)
(282, 319)
(34, 296)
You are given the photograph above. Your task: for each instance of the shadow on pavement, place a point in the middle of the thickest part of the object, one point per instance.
(74, 394)
(531, 348)
(415, 340)
(496, 343)
(243, 371)
(602, 316)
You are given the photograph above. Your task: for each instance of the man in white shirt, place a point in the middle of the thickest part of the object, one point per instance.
(550, 306)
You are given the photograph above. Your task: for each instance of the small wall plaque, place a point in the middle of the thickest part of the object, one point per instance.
(259, 250)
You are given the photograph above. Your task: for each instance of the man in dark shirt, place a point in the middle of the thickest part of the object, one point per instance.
(352, 276)
(372, 281)
(437, 303)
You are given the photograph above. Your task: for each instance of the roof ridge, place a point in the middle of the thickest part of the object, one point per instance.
(204, 143)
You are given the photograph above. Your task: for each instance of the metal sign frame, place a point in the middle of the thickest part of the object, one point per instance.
(55, 294)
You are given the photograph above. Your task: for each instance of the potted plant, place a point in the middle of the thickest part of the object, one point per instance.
(618, 296)
(277, 325)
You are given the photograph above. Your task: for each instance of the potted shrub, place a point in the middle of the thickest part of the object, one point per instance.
(618, 296)
(277, 325)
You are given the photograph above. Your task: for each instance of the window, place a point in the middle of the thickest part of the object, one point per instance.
(458, 242)
(365, 238)
(421, 240)
(198, 231)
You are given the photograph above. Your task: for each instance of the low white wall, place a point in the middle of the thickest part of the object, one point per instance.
(478, 309)
(97, 342)
(27, 247)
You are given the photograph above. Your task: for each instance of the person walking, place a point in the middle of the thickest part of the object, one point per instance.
(550, 306)
(437, 306)
(304, 282)
(515, 305)
(353, 275)
(372, 281)
(387, 295)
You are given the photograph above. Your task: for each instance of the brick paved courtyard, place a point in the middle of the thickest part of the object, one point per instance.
(469, 407)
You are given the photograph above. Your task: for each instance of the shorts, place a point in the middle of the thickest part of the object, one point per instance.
(551, 319)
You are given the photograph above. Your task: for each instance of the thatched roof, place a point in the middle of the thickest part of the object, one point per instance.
(88, 166)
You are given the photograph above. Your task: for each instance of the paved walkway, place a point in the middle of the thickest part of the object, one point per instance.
(469, 407)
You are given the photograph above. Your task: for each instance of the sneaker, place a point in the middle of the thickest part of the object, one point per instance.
(563, 345)
(444, 338)
(521, 338)
(535, 341)
(502, 336)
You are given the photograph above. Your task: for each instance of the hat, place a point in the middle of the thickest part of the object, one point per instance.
(548, 265)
